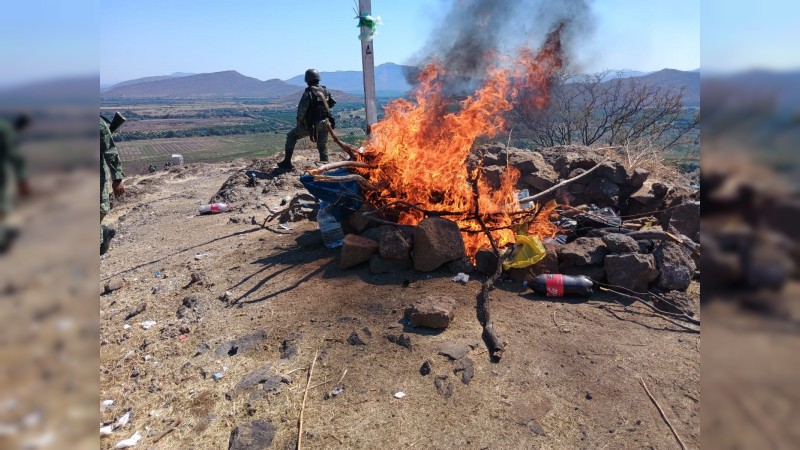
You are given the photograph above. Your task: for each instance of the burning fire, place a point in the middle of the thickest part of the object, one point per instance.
(421, 150)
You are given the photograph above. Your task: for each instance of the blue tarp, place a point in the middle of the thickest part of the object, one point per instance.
(345, 197)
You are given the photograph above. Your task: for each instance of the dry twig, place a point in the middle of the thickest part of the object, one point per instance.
(171, 427)
(350, 150)
(663, 416)
(303, 406)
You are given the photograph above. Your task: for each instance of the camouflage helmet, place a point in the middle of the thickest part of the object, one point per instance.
(312, 76)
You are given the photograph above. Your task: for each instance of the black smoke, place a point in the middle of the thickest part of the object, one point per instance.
(476, 35)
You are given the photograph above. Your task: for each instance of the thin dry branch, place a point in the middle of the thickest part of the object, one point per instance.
(303, 406)
(682, 315)
(171, 427)
(562, 184)
(663, 416)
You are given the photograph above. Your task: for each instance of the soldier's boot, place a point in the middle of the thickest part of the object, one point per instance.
(108, 235)
(288, 150)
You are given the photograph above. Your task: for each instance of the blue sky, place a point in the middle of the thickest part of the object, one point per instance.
(279, 39)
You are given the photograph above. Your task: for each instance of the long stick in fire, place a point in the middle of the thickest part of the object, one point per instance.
(562, 184)
(350, 150)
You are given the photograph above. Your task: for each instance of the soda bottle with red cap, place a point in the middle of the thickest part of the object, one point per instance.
(558, 285)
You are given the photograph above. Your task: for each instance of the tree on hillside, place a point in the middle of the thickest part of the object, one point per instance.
(589, 109)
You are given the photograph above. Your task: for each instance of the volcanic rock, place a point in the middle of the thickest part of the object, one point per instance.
(594, 272)
(632, 271)
(378, 265)
(486, 261)
(620, 243)
(612, 170)
(638, 177)
(356, 250)
(431, 311)
(394, 245)
(256, 435)
(454, 349)
(583, 251)
(377, 233)
(436, 241)
(685, 219)
(357, 219)
(675, 267)
(603, 192)
(465, 366)
(462, 265)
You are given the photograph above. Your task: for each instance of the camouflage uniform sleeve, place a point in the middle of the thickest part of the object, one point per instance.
(110, 154)
(302, 107)
(13, 154)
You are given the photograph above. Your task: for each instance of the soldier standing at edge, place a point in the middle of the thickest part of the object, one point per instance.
(110, 164)
(313, 116)
(11, 161)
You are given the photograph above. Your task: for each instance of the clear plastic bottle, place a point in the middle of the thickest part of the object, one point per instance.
(214, 208)
(332, 234)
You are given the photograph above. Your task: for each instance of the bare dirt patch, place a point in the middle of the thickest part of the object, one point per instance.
(569, 377)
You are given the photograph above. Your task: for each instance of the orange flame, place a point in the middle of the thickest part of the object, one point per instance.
(421, 150)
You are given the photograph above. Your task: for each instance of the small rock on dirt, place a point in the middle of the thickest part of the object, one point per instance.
(431, 311)
(254, 378)
(524, 415)
(402, 339)
(241, 345)
(444, 386)
(466, 368)
(355, 339)
(426, 368)
(114, 284)
(454, 350)
(256, 435)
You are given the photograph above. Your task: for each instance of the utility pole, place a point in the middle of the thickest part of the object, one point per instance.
(368, 69)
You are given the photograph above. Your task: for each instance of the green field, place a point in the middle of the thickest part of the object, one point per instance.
(137, 155)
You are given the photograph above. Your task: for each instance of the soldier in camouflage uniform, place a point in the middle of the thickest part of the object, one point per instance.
(11, 162)
(110, 164)
(313, 116)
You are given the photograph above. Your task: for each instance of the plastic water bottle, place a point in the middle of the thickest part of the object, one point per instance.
(214, 208)
(332, 234)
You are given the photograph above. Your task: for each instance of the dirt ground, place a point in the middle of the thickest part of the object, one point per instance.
(572, 366)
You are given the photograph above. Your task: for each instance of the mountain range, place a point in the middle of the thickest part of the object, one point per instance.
(390, 80)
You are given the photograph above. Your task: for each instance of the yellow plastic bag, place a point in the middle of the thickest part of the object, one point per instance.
(527, 252)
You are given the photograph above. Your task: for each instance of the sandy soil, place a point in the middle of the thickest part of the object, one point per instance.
(572, 366)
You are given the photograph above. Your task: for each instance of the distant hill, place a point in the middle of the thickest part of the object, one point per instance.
(624, 73)
(389, 77)
(218, 84)
(144, 80)
(673, 77)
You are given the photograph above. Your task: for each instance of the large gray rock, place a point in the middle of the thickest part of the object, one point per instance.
(620, 243)
(676, 268)
(638, 177)
(685, 219)
(394, 245)
(534, 170)
(436, 241)
(356, 250)
(431, 311)
(633, 271)
(244, 344)
(612, 170)
(583, 251)
(255, 435)
(594, 272)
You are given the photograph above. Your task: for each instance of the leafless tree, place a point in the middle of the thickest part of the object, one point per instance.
(592, 109)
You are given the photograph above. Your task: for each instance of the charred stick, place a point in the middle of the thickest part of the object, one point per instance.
(560, 185)
(339, 165)
(350, 150)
